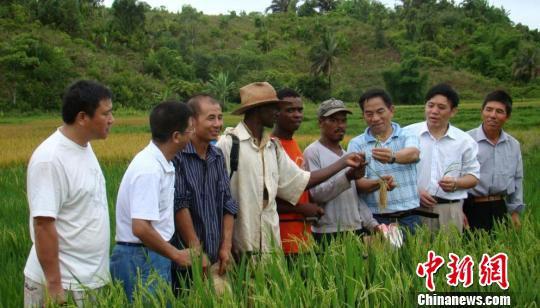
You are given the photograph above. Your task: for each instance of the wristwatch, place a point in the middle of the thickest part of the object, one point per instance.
(392, 158)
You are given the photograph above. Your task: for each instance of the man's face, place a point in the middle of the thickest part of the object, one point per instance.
(438, 111)
(494, 115)
(334, 126)
(209, 121)
(99, 125)
(268, 114)
(290, 114)
(378, 116)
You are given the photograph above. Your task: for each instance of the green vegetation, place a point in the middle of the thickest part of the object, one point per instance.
(336, 276)
(322, 48)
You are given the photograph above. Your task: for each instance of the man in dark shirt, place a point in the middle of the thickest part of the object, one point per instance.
(204, 208)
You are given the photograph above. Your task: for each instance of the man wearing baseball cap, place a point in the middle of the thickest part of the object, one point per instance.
(343, 210)
(265, 171)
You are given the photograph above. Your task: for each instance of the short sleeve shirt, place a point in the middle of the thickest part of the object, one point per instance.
(146, 192)
(65, 182)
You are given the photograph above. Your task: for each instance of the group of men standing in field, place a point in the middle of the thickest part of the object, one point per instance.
(184, 198)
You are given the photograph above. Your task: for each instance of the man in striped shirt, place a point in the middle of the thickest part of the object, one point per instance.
(203, 205)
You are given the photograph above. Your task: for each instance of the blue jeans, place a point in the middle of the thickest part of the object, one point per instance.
(409, 222)
(128, 261)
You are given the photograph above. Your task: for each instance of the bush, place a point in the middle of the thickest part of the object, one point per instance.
(315, 88)
(405, 82)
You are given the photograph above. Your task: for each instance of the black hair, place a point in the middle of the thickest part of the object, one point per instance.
(445, 90)
(167, 118)
(501, 97)
(371, 93)
(85, 96)
(287, 92)
(194, 102)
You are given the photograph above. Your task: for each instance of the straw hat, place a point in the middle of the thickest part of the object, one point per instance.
(256, 94)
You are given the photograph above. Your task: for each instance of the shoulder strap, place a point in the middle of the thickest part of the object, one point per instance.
(235, 153)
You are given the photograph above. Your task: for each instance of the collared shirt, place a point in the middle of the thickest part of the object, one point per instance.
(452, 155)
(146, 192)
(260, 167)
(343, 210)
(501, 168)
(202, 186)
(405, 195)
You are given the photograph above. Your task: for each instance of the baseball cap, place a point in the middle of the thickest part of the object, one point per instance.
(331, 106)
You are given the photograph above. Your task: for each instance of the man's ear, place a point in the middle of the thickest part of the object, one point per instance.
(176, 136)
(453, 112)
(81, 118)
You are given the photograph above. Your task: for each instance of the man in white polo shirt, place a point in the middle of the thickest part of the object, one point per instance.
(144, 208)
(448, 165)
(69, 218)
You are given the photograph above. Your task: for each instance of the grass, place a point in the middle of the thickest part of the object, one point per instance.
(336, 276)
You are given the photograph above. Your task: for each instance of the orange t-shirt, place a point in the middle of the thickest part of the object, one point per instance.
(293, 232)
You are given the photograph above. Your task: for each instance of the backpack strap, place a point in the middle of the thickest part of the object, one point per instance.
(235, 153)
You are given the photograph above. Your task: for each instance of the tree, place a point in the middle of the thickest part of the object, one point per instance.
(405, 82)
(526, 65)
(307, 8)
(35, 71)
(327, 5)
(64, 14)
(278, 6)
(129, 15)
(220, 86)
(324, 57)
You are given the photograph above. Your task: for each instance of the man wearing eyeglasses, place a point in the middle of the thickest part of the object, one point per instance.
(144, 207)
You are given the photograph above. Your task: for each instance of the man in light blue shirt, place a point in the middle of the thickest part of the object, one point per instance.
(392, 154)
(500, 189)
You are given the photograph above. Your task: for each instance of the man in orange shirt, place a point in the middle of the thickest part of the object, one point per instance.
(294, 228)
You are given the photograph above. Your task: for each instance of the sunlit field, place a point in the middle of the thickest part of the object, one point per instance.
(347, 273)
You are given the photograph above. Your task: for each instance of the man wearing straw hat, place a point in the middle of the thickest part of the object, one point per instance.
(264, 171)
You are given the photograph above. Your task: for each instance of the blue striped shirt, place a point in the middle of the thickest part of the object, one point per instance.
(405, 195)
(202, 186)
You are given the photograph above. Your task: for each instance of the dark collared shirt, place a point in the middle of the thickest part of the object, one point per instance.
(202, 186)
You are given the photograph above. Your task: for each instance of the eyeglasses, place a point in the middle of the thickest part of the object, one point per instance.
(188, 130)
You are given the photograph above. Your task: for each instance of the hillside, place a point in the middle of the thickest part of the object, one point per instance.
(146, 55)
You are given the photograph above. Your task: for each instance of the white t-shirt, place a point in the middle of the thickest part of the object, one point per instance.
(146, 192)
(65, 181)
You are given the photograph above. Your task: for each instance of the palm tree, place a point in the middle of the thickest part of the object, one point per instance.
(525, 66)
(220, 86)
(278, 6)
(324, 57)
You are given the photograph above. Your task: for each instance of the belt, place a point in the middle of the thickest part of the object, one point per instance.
(305, 219)
(406, 213)
(130, 244)
(443, 201)
(482, 199)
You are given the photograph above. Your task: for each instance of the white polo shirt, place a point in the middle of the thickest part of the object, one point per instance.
(146, 192)
(65, 182)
